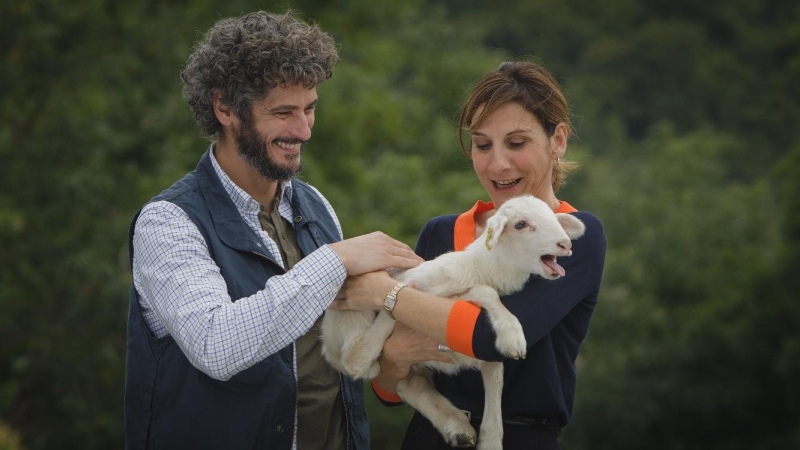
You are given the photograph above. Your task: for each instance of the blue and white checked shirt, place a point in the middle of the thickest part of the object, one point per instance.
(183, 294)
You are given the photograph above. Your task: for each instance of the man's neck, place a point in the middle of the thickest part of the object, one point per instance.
(243, 175)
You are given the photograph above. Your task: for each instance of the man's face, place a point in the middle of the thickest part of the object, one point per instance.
(272, 139)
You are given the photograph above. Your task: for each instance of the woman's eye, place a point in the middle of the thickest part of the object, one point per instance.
(483, 147)
(516, 144)
(520, 225)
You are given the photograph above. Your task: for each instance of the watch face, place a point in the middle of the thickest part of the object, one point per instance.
(391, 298)
(388, 304)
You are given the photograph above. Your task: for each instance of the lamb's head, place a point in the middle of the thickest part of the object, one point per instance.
(526, 233)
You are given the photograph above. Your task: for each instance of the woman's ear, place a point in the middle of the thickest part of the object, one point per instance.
(222, 111)
(558, 141)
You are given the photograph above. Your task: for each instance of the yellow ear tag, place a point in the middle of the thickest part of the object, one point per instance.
(489, 238)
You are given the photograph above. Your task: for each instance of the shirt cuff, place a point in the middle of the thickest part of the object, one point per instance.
(323, 271)
(461, 326)
(385, 395)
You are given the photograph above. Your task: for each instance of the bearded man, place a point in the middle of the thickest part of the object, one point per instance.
(234, 264)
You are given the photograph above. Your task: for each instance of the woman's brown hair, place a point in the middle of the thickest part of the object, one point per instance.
(529, 85)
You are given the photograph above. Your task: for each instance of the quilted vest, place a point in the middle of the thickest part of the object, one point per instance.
(169, 404)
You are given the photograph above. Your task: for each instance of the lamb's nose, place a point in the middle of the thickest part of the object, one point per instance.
(565, 245)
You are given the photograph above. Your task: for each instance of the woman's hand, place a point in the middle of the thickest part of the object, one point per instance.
(403, 348)
(364, 292)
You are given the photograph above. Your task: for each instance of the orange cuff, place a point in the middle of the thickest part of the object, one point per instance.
(385, 395)
(461, 326)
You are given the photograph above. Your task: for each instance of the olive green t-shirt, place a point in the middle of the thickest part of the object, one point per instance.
(320, 410)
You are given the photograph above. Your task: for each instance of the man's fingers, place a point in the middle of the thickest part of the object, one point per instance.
(396, 247)
(401, 262)
(405, 257)
(374, 251)
(405, 250)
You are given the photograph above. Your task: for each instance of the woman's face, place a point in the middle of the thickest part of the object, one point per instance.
(512, 154)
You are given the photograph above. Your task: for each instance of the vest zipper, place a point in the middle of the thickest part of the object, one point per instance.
(268, 259)
(346, 415)
(294, 364)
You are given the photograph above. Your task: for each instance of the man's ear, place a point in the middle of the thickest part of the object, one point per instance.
(222, 111)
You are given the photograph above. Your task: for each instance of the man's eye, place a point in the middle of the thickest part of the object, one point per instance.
(281, 113)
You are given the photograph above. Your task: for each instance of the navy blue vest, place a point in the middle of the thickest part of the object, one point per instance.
(169, 404)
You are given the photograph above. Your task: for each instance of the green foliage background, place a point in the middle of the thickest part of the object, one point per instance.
(686, 113)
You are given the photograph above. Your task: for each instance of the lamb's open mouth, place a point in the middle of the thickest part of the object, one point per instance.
(550, 263)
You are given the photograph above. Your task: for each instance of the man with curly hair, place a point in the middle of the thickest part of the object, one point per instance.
(234, 264)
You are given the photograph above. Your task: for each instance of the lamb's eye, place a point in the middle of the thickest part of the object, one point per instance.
(520, 225)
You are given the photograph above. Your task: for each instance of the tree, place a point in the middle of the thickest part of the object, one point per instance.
(685, 114)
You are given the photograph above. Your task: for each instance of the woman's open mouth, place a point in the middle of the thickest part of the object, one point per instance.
(505, 184)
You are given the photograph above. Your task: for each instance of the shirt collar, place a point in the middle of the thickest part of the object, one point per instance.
(246, 204)
(464, 230)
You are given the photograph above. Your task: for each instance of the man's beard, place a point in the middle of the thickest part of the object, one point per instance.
(253, 149)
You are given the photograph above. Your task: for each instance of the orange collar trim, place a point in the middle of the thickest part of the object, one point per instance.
(564, 207)
(464, 230)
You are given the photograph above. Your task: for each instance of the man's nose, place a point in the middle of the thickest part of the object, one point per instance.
(301, 128)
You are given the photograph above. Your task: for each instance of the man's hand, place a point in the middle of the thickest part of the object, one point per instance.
(374, 251)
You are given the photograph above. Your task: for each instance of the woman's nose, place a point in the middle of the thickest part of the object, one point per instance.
(499, 162)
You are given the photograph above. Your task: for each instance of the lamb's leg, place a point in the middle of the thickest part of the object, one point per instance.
(418, 391)
(360, 356)
(338, 329)
(491, 435)
(510, 337)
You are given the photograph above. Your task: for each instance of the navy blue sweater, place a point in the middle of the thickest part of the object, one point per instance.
(555, 317)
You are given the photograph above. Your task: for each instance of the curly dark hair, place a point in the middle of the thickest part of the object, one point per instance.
(244, 57)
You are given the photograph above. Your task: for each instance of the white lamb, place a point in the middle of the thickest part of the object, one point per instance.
(524, 237)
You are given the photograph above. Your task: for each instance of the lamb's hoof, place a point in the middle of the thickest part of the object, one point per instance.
(512, 345)
(464, 441)
(459, 433)
(457, 430)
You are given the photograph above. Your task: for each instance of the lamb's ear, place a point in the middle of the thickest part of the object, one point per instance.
(571, 224)
(494, 228)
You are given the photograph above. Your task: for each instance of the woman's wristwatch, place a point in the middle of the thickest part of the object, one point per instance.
(391, 299)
